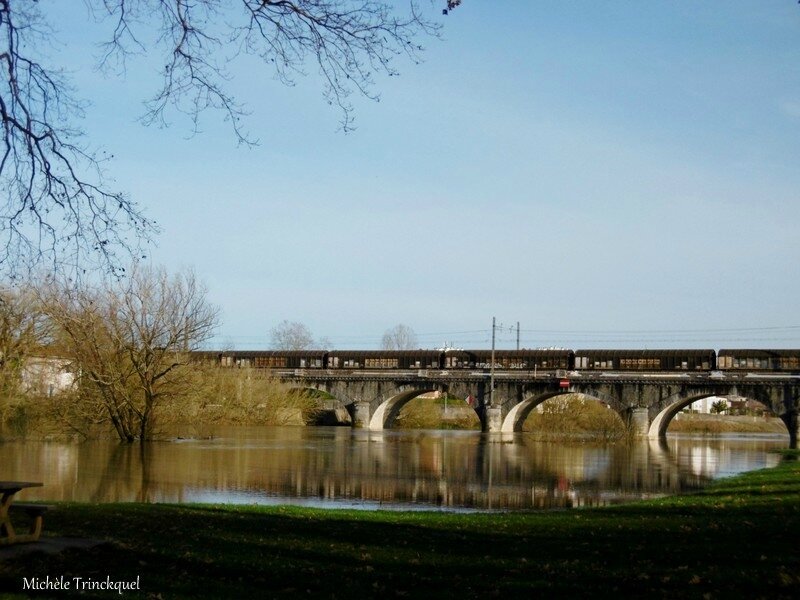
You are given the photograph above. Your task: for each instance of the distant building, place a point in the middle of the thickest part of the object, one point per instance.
(47, 376)
(736, 405)
(703, 406)
(744, 406)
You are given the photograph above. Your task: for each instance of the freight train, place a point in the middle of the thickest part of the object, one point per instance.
(760, 360)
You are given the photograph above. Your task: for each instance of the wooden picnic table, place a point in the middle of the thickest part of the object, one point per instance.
(7, 534)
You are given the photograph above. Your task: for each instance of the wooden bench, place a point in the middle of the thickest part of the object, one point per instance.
(36, 513)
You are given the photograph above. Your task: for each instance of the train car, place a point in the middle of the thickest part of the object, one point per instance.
(759, 360)
(524, 359)
(384, 359)
(272, 359)
(457, 359)
(645, 360)
(205, 356)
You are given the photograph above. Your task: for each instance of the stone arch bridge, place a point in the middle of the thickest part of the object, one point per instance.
(647, 402)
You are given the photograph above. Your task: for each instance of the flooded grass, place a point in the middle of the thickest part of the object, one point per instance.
(735, 538)
(718, 424)
(575, 417)
(437, 413)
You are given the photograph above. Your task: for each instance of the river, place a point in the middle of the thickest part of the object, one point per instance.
(393, 469)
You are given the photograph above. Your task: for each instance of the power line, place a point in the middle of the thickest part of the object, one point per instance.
(659, 331)
(563, 338)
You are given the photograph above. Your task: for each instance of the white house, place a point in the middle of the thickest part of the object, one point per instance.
(47, 375)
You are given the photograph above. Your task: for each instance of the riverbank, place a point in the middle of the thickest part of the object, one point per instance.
(714, 424)
(738, 537)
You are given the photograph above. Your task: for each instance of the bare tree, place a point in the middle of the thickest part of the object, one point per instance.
(399, 337)
(129, 340)
(56, 206)
(23, 332)
(291, 336)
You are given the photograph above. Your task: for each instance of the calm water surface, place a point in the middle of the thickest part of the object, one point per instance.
(341, 467)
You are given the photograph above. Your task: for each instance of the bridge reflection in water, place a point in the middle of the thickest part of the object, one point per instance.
(323, 466)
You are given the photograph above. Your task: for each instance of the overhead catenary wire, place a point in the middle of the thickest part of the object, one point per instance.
(538, 338)
(659, 331)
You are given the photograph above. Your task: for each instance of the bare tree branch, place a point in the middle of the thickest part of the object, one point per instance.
(55, 205)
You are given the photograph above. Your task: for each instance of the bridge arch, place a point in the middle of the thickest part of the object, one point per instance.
(517, 415)
(328, 408)
(675, 404)
(385, 414)
(388, 407)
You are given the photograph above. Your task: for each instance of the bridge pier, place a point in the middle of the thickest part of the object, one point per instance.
(494, 419)
(361, 414)
(791, 421)
(639, 422)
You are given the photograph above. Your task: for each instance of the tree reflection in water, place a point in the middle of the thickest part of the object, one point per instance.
(325, 466)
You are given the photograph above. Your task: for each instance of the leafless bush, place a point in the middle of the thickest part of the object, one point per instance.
(573, 416)
(241, 397)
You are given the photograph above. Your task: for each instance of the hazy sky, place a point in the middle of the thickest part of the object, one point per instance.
(608, 174)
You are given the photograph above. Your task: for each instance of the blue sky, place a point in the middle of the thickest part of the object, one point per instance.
(606, 173)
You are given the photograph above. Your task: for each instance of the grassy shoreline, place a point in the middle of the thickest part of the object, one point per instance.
(738, 537)
(718, 424)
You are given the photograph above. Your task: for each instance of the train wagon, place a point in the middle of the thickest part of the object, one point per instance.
(645, 360)
(205, 356)
(272, 359)
(384, 359)
(524, 359)
(759, 360)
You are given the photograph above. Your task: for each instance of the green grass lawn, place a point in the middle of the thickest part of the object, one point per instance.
(737, 538)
